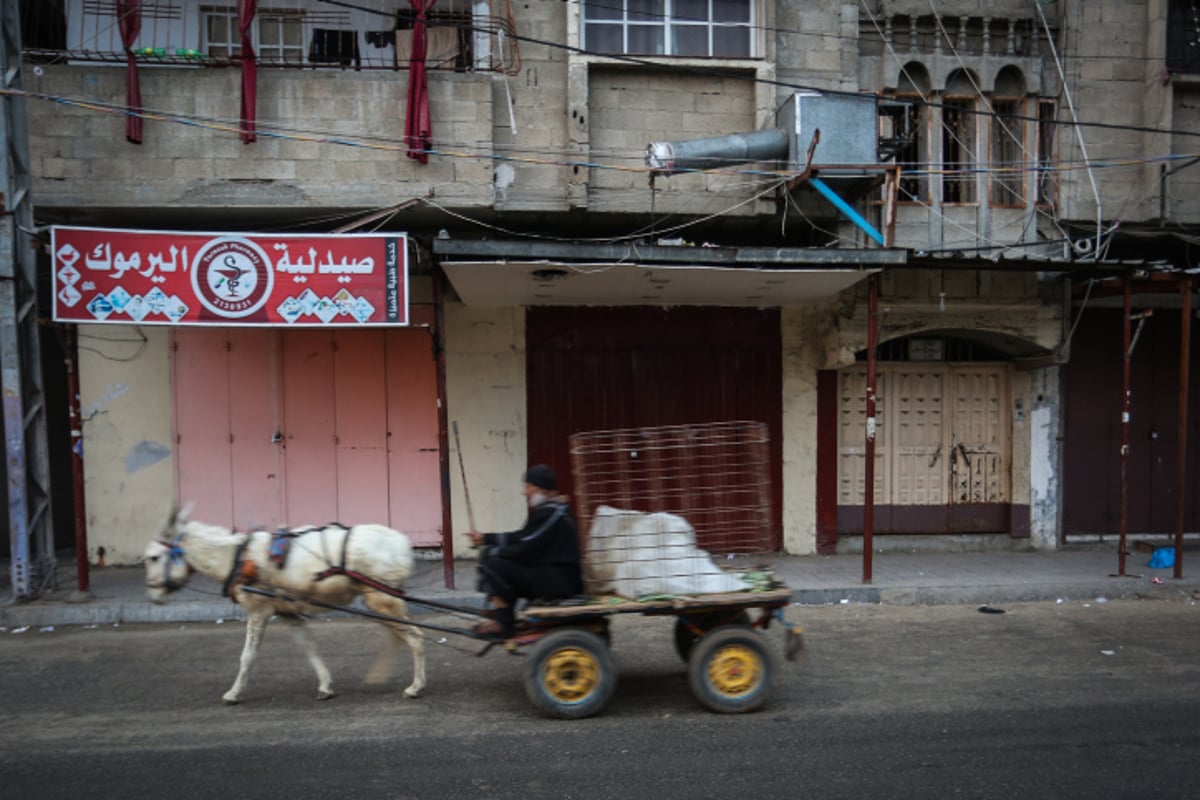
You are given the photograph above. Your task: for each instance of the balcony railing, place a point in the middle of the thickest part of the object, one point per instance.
(296, 34)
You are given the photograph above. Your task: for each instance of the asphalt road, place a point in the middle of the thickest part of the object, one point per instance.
(1046, 700)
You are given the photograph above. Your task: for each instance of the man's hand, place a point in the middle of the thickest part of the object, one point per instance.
(476, 538)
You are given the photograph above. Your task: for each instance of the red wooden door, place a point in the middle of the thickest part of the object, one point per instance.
(602, 368)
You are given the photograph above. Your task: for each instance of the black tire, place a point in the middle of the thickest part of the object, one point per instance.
(570, 674)
(685, 638)
(731, 670)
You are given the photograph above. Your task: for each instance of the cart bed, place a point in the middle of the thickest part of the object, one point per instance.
(623, 605)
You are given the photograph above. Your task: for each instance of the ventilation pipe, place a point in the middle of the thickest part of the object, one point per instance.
(669, 158)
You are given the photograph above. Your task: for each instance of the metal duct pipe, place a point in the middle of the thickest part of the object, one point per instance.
(669, 158)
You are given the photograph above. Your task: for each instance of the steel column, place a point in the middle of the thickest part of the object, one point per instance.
(31, 531)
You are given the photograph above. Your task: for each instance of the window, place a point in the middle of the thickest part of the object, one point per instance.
(958, 150)
(1008, 147)
(910, 152)
(281, 36)
(278, 34)
(696, 28)
(221, 36)
(1183, 36)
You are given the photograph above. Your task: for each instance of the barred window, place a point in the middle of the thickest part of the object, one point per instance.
(958, 150)
(1008, 153)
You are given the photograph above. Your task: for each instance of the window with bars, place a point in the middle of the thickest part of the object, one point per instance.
(958, 150)
(683, 28)
(1008, 153)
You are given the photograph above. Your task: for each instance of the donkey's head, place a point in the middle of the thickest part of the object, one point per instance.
(166, 561)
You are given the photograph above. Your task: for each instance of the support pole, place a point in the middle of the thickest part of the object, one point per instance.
(439, 352)
(76, 419)
(1185, 339)
(869, 467)
(1125, 404)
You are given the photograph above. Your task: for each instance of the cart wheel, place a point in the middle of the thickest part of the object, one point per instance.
(685, 638)
(571, 674)
(731, 670)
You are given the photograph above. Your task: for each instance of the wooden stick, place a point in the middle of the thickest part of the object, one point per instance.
(462, 471)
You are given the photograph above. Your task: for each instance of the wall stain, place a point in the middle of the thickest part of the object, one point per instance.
(144, 454)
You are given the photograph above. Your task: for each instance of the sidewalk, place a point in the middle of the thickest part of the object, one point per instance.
(1087, 574)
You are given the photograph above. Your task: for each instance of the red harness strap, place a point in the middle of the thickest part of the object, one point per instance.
(358, 577)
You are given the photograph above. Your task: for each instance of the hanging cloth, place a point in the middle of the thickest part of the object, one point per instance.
(129, 20)
(246, 11)
(418, 136)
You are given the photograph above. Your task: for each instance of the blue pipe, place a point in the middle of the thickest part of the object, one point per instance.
(845, 208)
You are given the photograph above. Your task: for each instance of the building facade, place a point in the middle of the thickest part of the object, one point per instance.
(1019, 158)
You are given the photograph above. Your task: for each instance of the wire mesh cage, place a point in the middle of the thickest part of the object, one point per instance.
(658, 506)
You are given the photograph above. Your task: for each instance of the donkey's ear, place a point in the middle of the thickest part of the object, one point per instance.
(183, 515)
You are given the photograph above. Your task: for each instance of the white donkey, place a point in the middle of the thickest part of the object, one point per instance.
(380, 555)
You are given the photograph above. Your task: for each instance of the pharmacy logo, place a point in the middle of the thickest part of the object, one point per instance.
(232, 277)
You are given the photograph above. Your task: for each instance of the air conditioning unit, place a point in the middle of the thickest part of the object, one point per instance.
(849, 126)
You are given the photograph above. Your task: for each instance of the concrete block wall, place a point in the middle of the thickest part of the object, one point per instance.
(629, 109)
(81, 157)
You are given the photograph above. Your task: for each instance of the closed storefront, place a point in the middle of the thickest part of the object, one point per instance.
(943, 453)
(602, 368)
(308, 426)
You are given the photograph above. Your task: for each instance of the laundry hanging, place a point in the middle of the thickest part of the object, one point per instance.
(246, 11)
(418, 134)
(129, 21)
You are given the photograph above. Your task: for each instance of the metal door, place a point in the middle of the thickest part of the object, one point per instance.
(943, 448)
(309, 426)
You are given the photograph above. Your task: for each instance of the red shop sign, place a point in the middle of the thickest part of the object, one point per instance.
(176, 278)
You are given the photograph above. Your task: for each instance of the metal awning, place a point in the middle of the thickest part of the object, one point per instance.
(490, 273)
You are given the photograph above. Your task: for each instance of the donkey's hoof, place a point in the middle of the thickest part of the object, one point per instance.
(324, 695)
(231, 699)
(411, 692)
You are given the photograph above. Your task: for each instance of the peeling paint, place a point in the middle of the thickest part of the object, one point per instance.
(111, 393)
(144, 454)
(1043, 462)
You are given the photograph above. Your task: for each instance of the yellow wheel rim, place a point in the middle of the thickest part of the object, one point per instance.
(570, 674)
(735, 670)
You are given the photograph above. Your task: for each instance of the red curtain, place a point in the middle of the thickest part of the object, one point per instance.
(129, 20)
(246, 11)
(418, 136)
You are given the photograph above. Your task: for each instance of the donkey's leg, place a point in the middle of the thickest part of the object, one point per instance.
(305, 639)
(256, 623)
(395, 607)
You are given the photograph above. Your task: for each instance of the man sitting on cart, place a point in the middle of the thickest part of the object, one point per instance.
(541, 560)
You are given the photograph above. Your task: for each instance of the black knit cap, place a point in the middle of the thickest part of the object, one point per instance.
(541, 476)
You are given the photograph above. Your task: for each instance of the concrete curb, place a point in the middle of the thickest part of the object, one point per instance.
(58, 613)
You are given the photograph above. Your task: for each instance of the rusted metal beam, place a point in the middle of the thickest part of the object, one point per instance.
(1126, 336)
(1185, 338)
(869, 467)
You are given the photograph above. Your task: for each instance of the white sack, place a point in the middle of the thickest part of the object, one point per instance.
(634, 554)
